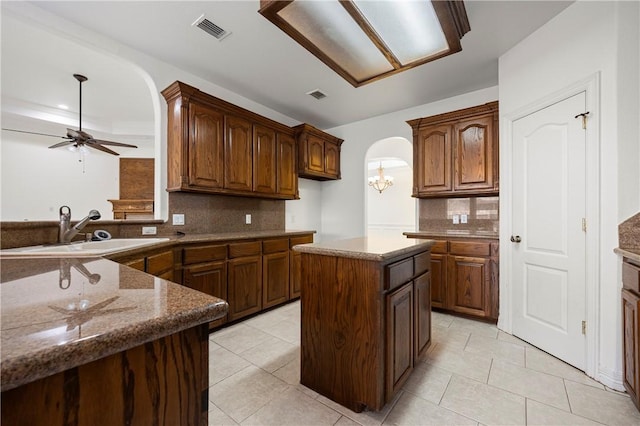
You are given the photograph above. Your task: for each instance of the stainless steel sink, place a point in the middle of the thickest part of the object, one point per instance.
(81, 249)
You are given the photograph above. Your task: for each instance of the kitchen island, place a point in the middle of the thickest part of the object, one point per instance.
(90, 341)
(365, 317)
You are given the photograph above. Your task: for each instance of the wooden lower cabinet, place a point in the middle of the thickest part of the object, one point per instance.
(162, 382)
(631, 329)
(468, 285)
(275, 278)
(209, 278)
(422, 313)
(161, 264)
(295, 277)
(438, 280)
(400, 338)
(244, 286)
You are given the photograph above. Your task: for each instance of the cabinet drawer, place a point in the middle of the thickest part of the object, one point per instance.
(440, 247)
(244, 249)
(469, 248)
(631, 276)
(203, 254)
(421, 263)
(398, 273)
(275, 246)
(300, 240)
(160, 263)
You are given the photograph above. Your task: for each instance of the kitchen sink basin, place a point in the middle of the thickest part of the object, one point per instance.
(81, 249)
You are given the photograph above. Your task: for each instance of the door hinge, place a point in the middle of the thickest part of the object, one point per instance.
(584, 119)
(584, 327)
(584, 224)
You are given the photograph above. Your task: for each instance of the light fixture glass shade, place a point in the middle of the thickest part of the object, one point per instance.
(328, 26)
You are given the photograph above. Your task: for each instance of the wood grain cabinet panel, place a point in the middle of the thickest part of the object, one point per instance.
(264, 160)
(400, 311)
(287, 175)
(209, 278)
(631, 329)
(238, 154)
(295, 261)
(332, 159)
(315, 154)
(439, 280)
(468, 285)
(275, 279)
(318, 153)
(244, 286)
(456, 153)
(205, 153)
(422, 313)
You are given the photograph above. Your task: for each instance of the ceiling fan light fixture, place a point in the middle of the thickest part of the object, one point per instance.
(364, 41)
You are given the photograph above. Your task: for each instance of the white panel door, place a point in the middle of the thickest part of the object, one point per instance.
(548, 241)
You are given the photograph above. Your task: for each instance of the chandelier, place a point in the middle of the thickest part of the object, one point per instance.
(380, 182)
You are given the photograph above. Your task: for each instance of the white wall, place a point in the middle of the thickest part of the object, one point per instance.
(343, 201)
(304, 214)
(585, 39)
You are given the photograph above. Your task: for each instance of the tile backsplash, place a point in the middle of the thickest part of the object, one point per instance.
(437, 214)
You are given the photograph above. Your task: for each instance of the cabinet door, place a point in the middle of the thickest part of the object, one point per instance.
(468, 285)
(244, 286)
(474, 154)
(631, 350)
(209, 278)
(432, 172)
(205, 149)
(315, 154)
(332, 159)
(287, 176)
(422, 313)
(238, 154)
(399, 338)
(439, 280)
(275, 279)
(264, 160)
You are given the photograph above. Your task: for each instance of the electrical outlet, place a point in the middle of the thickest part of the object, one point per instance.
(149, 230)
(463, 218)
(247, 219)
(178, 219)
(456, 219)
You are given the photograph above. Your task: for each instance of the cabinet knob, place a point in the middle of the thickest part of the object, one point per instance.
(516, 239)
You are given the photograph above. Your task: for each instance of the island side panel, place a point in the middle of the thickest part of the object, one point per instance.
(161, 382)
(342, 341)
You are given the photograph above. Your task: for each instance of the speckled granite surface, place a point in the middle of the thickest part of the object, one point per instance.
(67, 312)
(488, 235)
(376, 249)
(629, 233)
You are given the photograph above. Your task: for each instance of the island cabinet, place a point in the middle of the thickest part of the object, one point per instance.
(464, 277)
(456, 153)
(215, 147)
(631, 328)
(365, 318)
(319, 153)
(295, 261)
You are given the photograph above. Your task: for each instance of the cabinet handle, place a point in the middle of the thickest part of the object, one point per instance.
(516, 239)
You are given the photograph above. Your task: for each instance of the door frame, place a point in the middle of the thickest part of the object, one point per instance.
(591, 86)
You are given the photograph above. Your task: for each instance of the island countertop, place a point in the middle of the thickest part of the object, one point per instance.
(67, 312)
(366, 248)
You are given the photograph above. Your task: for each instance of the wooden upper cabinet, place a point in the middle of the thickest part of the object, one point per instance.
(318, 153)
(238, 154)
(286, 174)
(456, 153)
(216, 147)
(205, 155)
(264, 160)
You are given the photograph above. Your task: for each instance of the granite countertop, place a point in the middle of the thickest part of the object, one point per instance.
(68, 312)
(372, 248)
(489, 235)
(631, 253)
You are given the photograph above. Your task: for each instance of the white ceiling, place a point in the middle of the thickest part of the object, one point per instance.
(261, 63)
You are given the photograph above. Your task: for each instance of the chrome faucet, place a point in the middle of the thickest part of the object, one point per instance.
(66, 232)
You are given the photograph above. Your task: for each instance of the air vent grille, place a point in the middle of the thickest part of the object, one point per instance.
(210, 28)
(318, 94)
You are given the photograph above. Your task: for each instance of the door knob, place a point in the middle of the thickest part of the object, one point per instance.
(516, 239)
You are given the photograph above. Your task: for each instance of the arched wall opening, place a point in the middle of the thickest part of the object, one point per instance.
(393, 210)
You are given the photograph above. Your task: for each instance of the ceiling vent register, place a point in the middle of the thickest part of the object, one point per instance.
(318, 94)
(210, 28)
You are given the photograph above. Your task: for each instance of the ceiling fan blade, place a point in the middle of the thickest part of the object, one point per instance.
(101, 142)
(101, 148)
(35, 133)
(62, 144)
(78, 134)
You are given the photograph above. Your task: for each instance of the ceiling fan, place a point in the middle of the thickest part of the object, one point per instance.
(78, 138)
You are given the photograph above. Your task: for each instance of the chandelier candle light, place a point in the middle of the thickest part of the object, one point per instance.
(380, 182)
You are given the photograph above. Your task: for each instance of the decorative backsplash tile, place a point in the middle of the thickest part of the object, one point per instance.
(437, 214)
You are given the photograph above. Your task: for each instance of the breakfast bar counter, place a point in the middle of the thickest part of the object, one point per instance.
(129, 345)
(365, 317)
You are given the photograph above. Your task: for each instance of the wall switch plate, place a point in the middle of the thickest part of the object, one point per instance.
(247, 219)
(456, 219)
(463, 218)
(178, 219)
(149, 230)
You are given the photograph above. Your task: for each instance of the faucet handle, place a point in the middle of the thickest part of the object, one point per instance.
(65, 211)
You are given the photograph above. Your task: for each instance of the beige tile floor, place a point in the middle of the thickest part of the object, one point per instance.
(473, 374)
